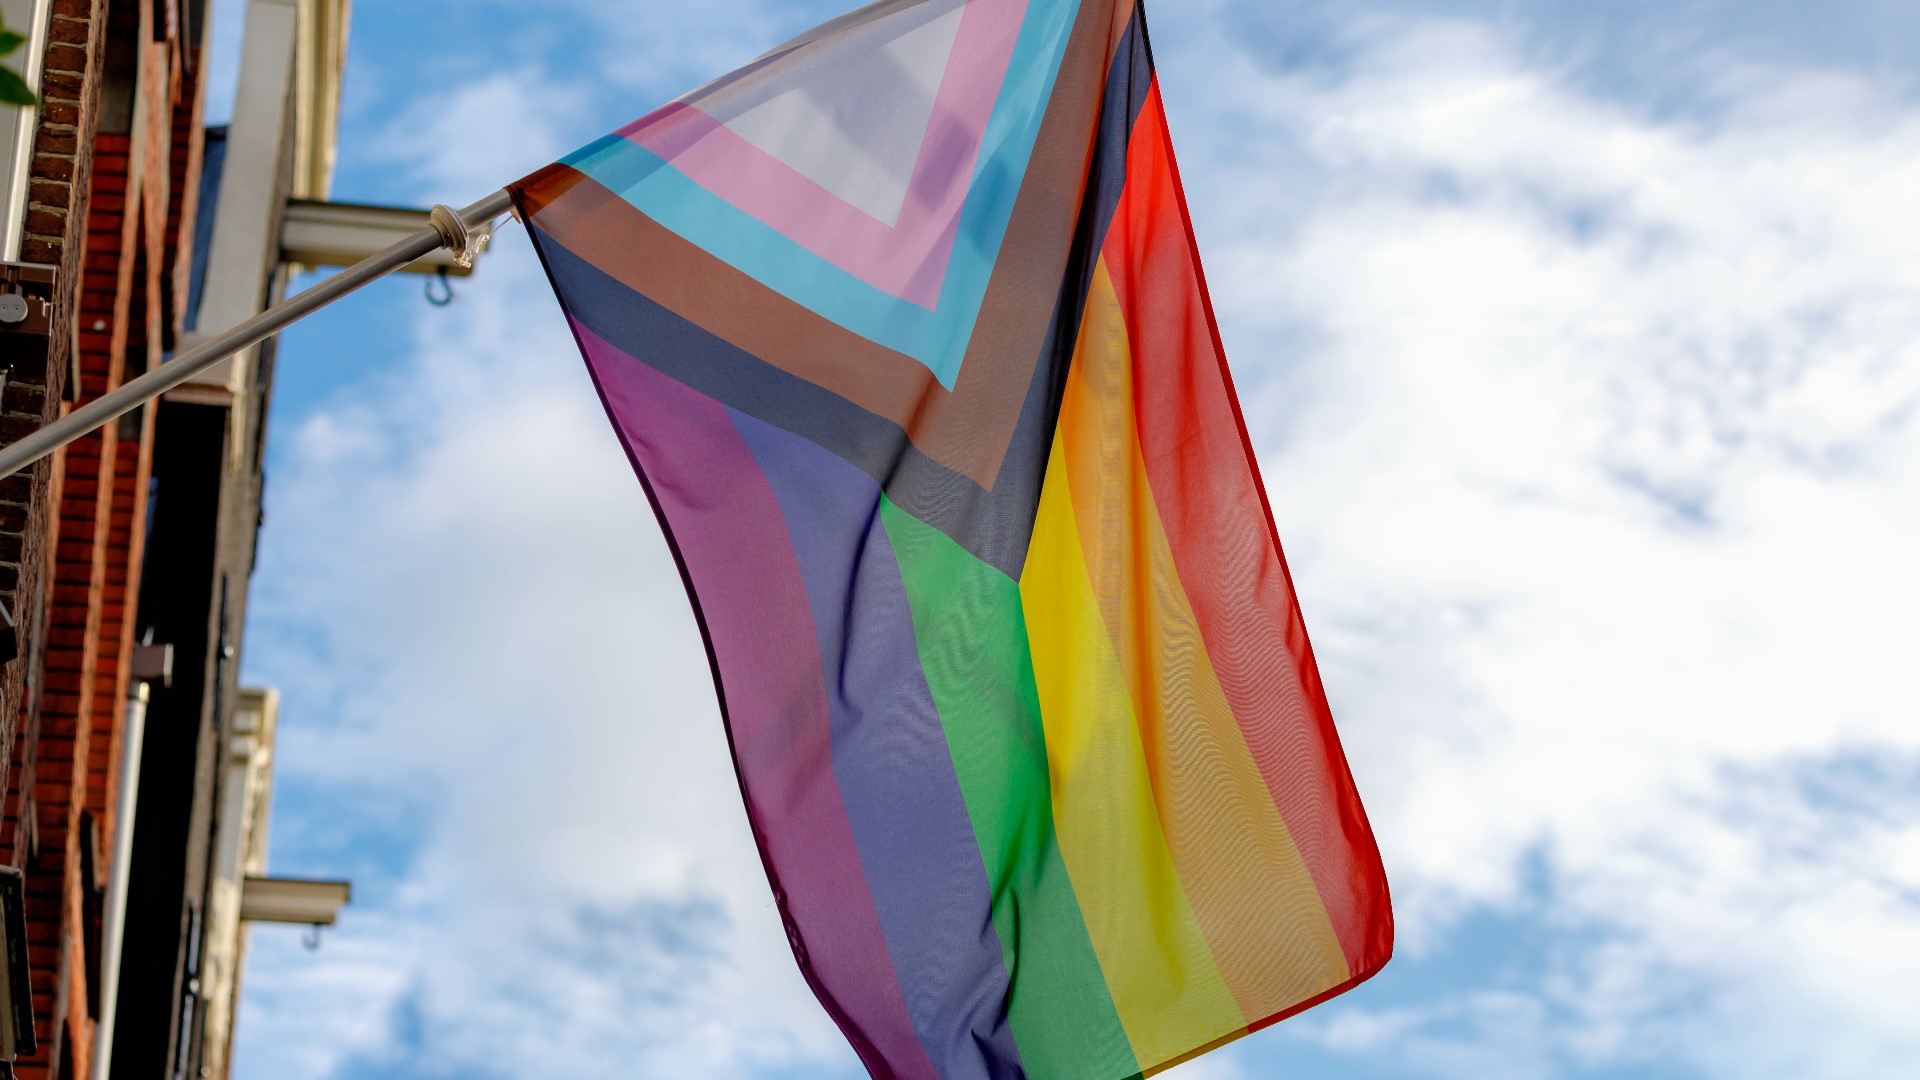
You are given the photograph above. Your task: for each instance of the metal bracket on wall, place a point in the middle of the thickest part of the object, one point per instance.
(26, 299)
(153, 664)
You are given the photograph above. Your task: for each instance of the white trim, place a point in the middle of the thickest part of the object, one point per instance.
(280, 143)
(239, 858)
(119, 878)
(18, 125)
(245, 250)
(320, 65)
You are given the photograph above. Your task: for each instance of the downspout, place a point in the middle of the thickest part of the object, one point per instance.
(150, 663)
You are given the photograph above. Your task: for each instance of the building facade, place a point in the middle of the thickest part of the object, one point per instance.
(100, 184)
(179, 961)
(137, 768)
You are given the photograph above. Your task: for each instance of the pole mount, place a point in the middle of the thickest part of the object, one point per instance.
(464, 243)
(26, 299)
(447, 230)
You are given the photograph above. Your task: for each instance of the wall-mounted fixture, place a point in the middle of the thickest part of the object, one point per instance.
(26, 299)
(289, 900)
(317, 234)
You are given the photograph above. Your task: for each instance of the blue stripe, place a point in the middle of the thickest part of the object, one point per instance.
(891, 760)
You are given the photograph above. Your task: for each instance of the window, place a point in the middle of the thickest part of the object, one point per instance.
(120, 72)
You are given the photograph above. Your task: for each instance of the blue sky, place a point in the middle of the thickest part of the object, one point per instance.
(1579, 346)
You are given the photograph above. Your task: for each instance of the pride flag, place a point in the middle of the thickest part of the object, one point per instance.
(904, 330)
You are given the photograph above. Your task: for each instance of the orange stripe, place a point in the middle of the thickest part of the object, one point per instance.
(1159, 969)
(1251, 892)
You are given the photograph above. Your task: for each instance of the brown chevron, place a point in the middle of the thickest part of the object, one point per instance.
(967, 429)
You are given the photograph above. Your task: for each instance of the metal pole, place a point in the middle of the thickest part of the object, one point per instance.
(113, 920)
(255, 330)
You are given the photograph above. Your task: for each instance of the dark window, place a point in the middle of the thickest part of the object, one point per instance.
(189, 994)
(93, 891)
(166, 19)
(120, 73)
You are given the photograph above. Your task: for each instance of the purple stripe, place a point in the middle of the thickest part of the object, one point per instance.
(724, 525)
(890, 753)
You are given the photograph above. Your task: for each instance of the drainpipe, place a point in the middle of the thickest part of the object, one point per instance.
(151, 663)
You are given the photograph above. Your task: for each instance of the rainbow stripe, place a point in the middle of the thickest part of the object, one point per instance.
(938, 424)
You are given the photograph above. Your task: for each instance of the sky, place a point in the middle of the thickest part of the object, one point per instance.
(1580, 348)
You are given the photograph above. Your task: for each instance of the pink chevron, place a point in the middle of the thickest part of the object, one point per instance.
(908, 259)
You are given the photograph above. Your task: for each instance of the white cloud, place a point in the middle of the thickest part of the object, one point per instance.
(1592, 437)
(487, 132)
(538, 88)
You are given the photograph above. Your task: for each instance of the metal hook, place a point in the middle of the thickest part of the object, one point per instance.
(311, 939)
(445, 296)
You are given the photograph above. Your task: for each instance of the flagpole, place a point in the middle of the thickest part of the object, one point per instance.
(448, 229)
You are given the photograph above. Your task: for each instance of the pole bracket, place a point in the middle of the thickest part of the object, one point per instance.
(26, 299)
(448, 229)
(464, 243)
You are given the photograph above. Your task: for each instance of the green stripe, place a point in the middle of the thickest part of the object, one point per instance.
(972, 637)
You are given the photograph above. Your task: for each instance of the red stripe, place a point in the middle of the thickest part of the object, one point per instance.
(1201, 467)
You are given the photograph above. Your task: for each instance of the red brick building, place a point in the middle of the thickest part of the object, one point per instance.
(111, 183)
(125, 559)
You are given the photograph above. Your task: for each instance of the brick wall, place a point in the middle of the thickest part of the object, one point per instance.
(71, 530)
(57, 199)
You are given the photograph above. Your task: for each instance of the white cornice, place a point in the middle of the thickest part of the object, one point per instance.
(320, 65)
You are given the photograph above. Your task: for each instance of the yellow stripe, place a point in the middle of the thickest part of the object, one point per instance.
(1164, 983)
(1174, 1063)
(1251, 891)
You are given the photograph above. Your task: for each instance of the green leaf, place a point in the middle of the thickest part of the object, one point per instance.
(10, 41)
(14, 90)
